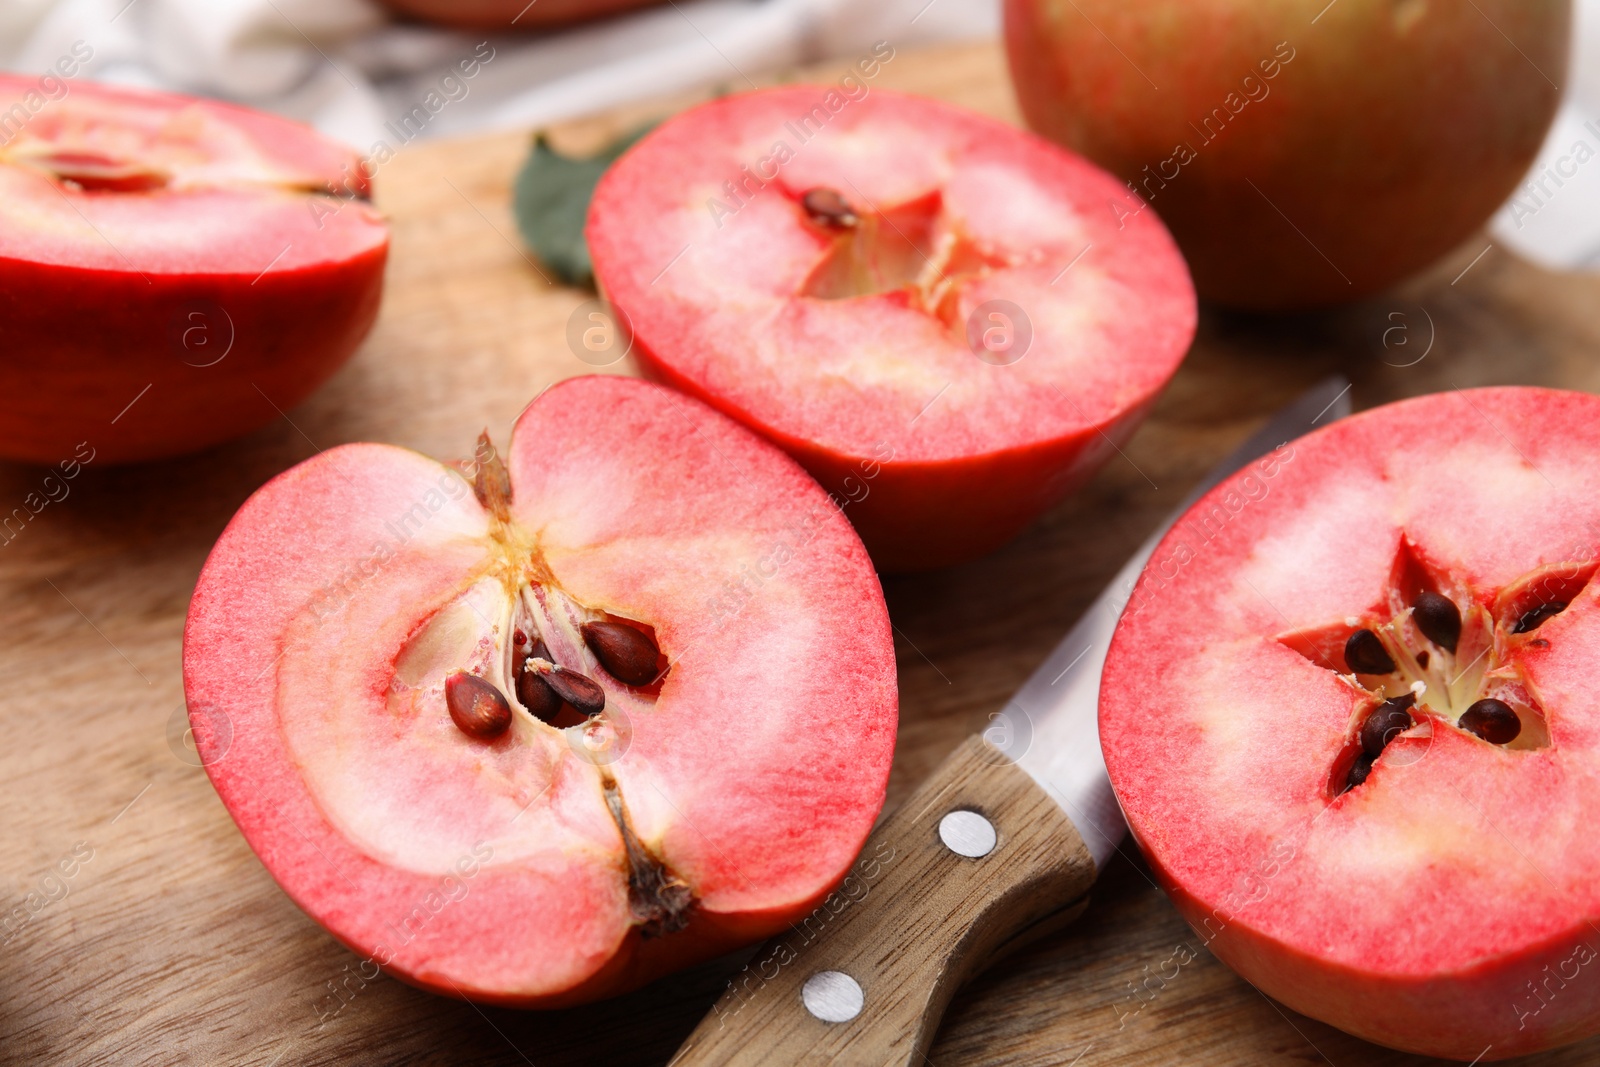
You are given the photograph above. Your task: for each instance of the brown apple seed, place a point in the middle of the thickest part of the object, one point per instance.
(1366, 655)
(1387, 719)
(478, 708)
(1493, 720)
(626, 653)
(536, 694)
(1439, 620)
(1359, 771)
(828, 209)
(581, 692)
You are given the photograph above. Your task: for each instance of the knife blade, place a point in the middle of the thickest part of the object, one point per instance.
(1003, 841)
(1043, 726)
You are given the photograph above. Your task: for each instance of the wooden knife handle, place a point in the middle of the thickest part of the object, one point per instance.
(912, 921)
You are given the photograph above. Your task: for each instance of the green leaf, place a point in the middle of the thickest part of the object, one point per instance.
(551, 200)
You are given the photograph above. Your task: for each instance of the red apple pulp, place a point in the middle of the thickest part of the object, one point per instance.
(623, 702)
(173, 272)
(950, 322)
(1352, 715)
(1304, 153)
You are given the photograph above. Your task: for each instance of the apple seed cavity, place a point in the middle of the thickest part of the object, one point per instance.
(530, 607)
(1432, 660)
(1531, 619)
(517, 631)
(541, 682)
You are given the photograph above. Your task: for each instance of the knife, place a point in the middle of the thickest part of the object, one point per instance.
(1000, 845)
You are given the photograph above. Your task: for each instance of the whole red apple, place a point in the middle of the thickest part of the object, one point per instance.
(173, 272)
(511, 14)
(1303, 152)
(1351, 715)
(620, 702)
(939, 315)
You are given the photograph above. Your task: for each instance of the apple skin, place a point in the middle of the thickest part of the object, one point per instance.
(1445, 904)
(512, 14)
(80, 345)
(1454, 1017)
(922, 516)
(1387, 137)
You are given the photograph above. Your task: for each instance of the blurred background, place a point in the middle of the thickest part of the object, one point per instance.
(350, 67)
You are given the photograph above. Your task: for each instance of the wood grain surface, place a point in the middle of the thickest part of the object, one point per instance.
(172, 945)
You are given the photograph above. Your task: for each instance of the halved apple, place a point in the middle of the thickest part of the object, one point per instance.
(173, 271)
(616, 705)
(1350, 715)
(949, 321)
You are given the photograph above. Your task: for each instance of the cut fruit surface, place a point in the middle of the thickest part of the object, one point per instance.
(1350, 714)
(950, 322)
(373, 630)
(225, 258)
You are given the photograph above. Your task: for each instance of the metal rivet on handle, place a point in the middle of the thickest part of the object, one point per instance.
(966, 833)
(832, 996)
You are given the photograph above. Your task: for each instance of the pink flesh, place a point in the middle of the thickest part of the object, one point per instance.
(211, 188)
(849, 375)
(802, 676)
(754, 776)
(1452, 857)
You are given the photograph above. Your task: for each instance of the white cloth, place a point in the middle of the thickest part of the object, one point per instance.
(1554, 216)
(348, 68)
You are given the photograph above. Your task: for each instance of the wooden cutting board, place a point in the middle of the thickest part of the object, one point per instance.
(172, 945)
